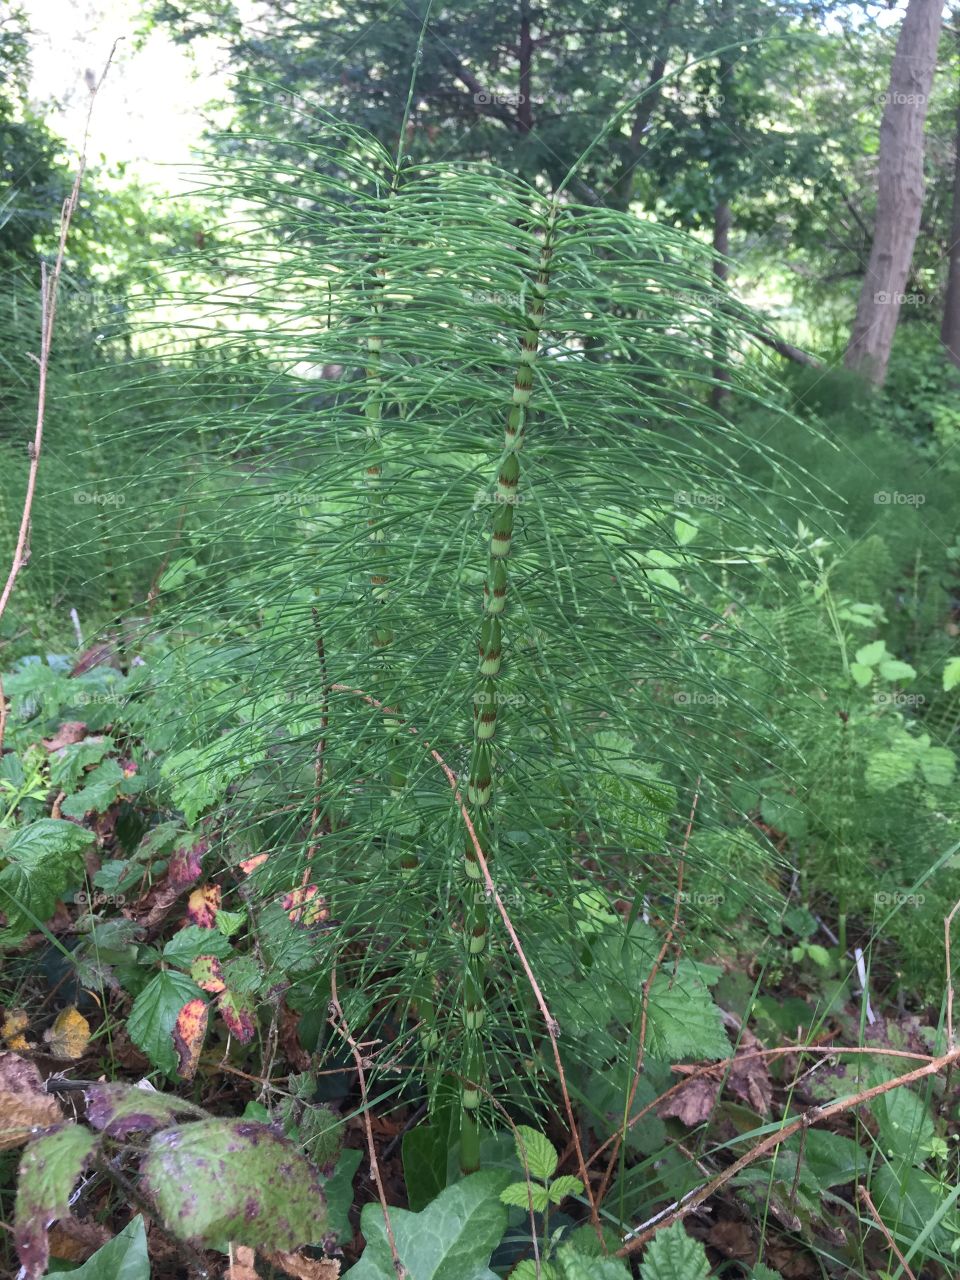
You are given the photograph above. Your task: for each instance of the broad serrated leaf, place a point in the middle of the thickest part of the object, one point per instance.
(684, 1022)
(48, 1172)
(122, 1258)
(565, 1185)
(191, 941)
(673, 1255)
(951, 674)
(234, 1180)
(44, 862)
(154, 1015)
(524, 1195)
(573, 1264)
(870, 654)
(896, 671)
(536, 1153)
(452, 1239)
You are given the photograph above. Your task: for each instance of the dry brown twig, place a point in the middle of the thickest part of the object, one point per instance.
(863, 1195)
(339, 1023)
(49, 289)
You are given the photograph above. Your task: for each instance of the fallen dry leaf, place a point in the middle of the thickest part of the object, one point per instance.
(248, 865)
(14, 1025)
(301, 1268)
(70, 731)
(241, 1265)
(693, 1103)
(733, 1240)
(189, 1032)
(74, 1241)
(23, 1104)
(293, 1050)
(69, 1035)
(749, 1078)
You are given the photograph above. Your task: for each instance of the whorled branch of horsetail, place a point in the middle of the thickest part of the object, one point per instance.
(486, 703)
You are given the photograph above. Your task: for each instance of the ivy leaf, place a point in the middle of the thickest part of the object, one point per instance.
(48, 1171)
(154, 1015)
(536, 1153)
(454, 1236)
(338, 1189)
(236, 1180)
(122, 1258)
(525, 1194)
(673, 1255)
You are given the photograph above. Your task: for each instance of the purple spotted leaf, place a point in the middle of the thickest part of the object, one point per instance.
(48, 1173)
(234, 1180)
(239, 1013)
(121, 1109)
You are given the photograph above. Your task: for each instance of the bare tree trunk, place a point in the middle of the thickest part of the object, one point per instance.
(950, 325)
(899, 190)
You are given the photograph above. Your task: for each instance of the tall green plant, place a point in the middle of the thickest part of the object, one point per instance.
(381, 503)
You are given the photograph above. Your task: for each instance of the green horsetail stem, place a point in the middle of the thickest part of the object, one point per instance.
(480, 786)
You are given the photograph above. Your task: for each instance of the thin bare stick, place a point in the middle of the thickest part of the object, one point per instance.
(552, 1026)
(49, 287)
(863, 1195)
(948, 922)
(340, 1025)
(645, 1001)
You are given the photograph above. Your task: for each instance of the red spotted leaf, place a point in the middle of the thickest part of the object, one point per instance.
(184, 867)
(189, 1032)
(203, 905)
(306, 905)
(207, 973)
(239, 1013)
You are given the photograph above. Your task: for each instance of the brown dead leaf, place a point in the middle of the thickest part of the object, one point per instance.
(23, 1104)
(96, 656)
(693, 1103)
(241, 1264)
(189, 1033)
(70, 731)
(301, 1268)
(74, 1241)
(249, 865)
(749, 1078)
(733, 1240)
(293, 1050)
(69, 1035)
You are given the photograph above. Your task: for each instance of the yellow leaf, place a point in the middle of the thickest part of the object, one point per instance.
(69, 1035)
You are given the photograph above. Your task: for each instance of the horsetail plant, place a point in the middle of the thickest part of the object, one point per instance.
(545, 674)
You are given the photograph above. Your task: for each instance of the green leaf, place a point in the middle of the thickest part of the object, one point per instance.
(220, 1180)
(49, 1169)
(872, 653)
(951, 674)
(888, 769)
(673, 1255)
(760, 1271)
(44, 862)
(861, 674)
(573, 1264)
(228, 922)
(938, 766)
(67, 764)
(526, 1269)
(122, 1258)
(425, 1150)
(154, 1015)
(192, 941)
(525, 1194)
(338, 1189)
(906, 1128)
(536, 1153)
(894, 670)
(452, 1239)
(683, 1021)
(564, 1186)
(101, 788)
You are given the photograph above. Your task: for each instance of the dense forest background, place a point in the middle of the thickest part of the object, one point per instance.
(480, 693)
